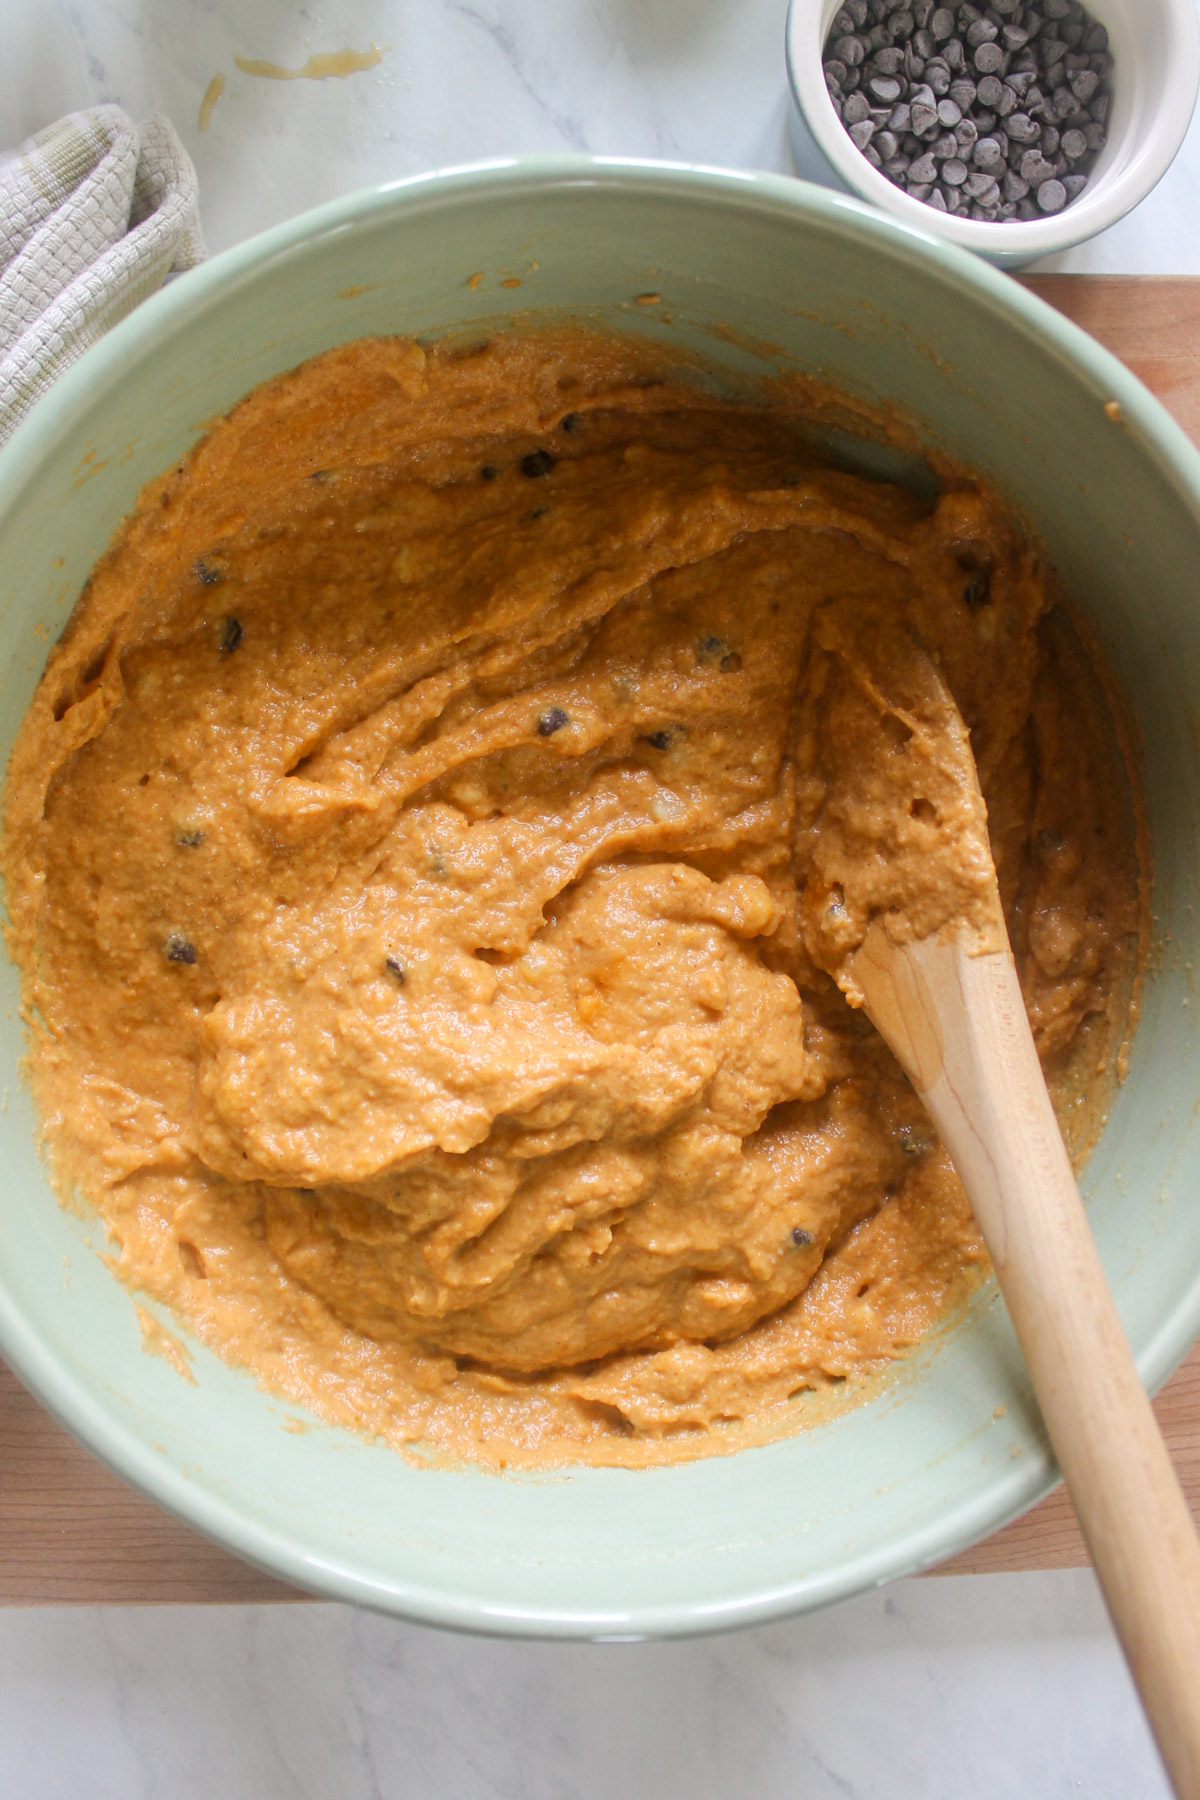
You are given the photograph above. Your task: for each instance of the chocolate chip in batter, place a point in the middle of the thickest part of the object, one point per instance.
(488, 472)
(395, 967)
(800, 1237)
(538, 462)
(975, 562)
(178, 949)
(569, 422)
(717, 650)
(189, 837)
(231, 636)
(664, 737)
(206, 573)
(551, 720)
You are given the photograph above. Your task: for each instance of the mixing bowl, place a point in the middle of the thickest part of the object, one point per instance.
(753, 272)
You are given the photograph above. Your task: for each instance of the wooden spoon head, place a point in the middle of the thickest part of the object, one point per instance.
(897, 833)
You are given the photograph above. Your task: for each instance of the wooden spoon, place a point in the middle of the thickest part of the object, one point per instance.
(948, 1003)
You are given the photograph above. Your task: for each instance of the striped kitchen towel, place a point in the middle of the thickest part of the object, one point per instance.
(94, 214)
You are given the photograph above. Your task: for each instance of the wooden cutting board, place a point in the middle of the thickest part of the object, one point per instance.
(72, 1532)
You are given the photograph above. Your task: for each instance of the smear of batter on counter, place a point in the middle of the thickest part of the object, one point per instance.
(318, 68)
(212, 94)
(420, 853)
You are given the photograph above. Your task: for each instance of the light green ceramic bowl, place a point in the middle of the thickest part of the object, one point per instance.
(988, 373)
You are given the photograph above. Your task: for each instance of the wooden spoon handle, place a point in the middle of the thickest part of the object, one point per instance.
(958, 1026)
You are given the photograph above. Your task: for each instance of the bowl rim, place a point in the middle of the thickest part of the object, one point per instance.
(1014, 240)
(280, 1551)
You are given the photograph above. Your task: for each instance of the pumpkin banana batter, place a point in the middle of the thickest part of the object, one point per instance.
(410, 852)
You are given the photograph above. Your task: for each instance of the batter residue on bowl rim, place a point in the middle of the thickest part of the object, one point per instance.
(406, 854)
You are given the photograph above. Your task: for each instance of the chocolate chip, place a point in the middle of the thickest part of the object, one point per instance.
(178, 949)
(983, 188)
(551, 720)
(1035, 169)
(664, 737)
(189, 838)
(231, 636)
(395, 967)
(569, 422)
(488, 472)
(717, 650)
(206, 573)
(538, 462)
(1021, 128)
(800, 1237)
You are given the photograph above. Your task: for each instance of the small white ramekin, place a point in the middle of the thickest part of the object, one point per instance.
(1155, 46)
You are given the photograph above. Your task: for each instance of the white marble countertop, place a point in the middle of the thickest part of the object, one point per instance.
(993, 1687)
(458, 80)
